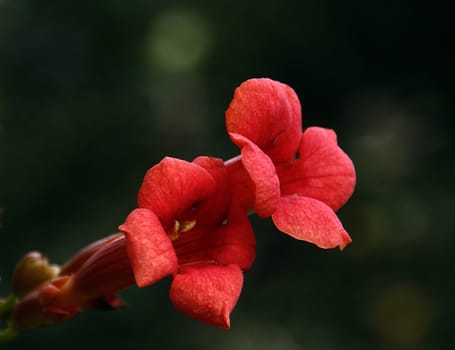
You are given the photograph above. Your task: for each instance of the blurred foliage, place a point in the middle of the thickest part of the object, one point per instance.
(92, 94)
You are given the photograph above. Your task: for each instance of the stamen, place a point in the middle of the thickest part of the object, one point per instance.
(185, 226)
(180, 227)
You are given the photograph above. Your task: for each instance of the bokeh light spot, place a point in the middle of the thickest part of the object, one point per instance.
(401, 315)
(179, 41)
(261, 336)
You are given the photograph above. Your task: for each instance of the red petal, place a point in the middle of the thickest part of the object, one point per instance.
(241, 185)
(269, 114)
(263, 174)
(323, 171)
(207, 293)
(234, 242)
(214, 209)
(174, 186)
(310, 220)
(149, 248)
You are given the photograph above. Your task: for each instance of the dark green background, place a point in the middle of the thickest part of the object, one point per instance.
(94, 93)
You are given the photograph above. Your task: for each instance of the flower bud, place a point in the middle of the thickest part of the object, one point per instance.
(44, 305)
(32, 270)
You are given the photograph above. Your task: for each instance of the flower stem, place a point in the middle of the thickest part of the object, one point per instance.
(6, 308)
(8, 334)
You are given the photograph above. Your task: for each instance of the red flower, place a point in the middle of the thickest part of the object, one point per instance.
(298, 178)
(186, 226)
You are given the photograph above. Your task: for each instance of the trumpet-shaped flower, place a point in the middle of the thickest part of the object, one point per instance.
(298, 178)
(187, 226)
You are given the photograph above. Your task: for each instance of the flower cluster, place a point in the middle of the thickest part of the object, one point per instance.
(191, 222)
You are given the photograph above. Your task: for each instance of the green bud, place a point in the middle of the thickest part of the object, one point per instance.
(32, 270)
